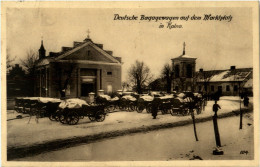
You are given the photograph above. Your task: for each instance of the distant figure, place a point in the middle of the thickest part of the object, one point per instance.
(155, 107)
(216, 107)
(246, 101)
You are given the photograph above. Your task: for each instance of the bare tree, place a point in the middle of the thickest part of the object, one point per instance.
(168, 74)
(9, 60)
(139, 75)
(30, 61)
(204, 77)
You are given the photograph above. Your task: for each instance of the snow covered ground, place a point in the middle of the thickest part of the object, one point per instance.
(166, 145)
(20, 133)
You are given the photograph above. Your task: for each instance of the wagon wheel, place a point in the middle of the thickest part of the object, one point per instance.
(164, 111)
(172, 112)
(81, 117)
(140, 108)
(52, 117)
(131, 106)
(92, 118)
(175, 111)
(62, 119)
(72, 118)
(148, 108)
(186, 111)
(41, 113)
(100, 116)
(109, 108)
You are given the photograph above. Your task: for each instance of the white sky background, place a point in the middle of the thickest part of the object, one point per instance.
(217, 45)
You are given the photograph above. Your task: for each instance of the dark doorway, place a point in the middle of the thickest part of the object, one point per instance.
(86, 88)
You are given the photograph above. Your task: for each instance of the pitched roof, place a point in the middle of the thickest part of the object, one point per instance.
(66, 51)
(184, 56)
(224, 75)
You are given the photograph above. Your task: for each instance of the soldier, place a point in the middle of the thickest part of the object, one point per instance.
(155, 107)
(216, 107)
(246, 101)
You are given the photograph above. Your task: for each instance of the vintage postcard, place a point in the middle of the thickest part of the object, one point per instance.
(130, 83)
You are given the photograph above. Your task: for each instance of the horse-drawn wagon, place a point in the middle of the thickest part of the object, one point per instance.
(71, 110)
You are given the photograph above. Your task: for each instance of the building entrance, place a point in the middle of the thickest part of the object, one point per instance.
(88, 81)
(86, 88)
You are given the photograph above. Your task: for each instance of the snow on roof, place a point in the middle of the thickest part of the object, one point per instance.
(249, 83)
(219, 77)
(185, 57)
(225, 75)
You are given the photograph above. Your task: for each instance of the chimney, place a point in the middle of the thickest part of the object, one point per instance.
(232, 67)
(201, 70)
(100, 45)
(109, 52)
(76, 43)
(64, 49)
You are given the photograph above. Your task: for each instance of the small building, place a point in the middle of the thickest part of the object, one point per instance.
(227, 82)
(76, 71)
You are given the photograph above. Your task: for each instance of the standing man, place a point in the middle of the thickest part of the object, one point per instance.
(216, 107)
(155, 103)
(246, 101)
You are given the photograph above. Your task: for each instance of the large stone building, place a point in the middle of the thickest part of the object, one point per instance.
(76, 71)
(227, 82)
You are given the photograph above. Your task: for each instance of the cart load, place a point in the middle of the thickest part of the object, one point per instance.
(147, 98)
(129, 97)
(127, 102)
(39, 106)
(72, 103)
(48, 99)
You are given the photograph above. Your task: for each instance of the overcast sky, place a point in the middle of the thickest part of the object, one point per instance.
(215, 44)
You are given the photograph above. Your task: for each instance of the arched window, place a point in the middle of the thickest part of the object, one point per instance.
(177, 71)
(189, 71)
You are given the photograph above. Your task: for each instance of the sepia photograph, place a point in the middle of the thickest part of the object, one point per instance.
(130, 83)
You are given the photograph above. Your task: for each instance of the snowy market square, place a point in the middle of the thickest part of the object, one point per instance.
(130, 84)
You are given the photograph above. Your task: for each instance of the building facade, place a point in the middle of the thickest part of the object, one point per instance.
(184, 72)
(76, 71)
